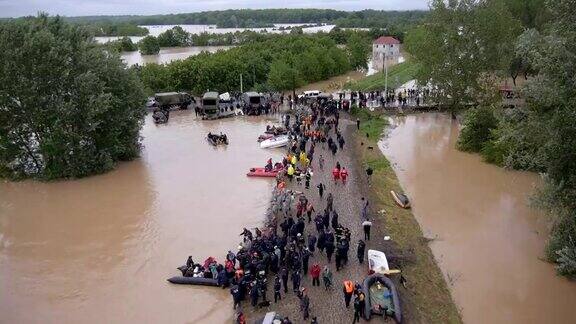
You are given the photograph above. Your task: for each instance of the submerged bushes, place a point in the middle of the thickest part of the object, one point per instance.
(478, 125)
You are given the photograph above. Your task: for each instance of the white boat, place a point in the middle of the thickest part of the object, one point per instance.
(277, 141)
(377, 262)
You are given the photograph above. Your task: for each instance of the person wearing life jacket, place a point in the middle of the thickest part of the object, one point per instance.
(290, 171)
(348, 291)
(294, 160)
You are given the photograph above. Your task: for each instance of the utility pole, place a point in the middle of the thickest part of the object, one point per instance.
(241, 89)
(385, 78)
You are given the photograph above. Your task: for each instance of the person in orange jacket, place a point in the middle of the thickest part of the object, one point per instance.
(348, 291)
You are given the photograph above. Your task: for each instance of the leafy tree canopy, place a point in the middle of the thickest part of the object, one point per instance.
(69, 108)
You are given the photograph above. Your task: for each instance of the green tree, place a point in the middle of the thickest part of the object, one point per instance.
(282, 76)
(125, 44)
(149, 45)
(461, 43)
(69, 108)
(174, 37)
(358, 50)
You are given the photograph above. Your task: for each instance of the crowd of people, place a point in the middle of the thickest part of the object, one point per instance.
(287, 249)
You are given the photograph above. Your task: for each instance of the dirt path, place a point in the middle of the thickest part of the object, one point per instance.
(328, 306)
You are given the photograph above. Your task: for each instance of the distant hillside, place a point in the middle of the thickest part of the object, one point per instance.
(245, 18)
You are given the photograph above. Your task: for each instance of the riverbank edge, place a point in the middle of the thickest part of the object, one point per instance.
(427, 298)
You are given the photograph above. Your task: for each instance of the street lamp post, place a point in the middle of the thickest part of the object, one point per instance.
(385, 77)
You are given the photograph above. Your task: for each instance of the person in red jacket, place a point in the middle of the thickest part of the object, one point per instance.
(336, 175)
(315, 273)
(344, 175)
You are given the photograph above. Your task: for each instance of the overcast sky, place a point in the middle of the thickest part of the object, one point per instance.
(16, 8)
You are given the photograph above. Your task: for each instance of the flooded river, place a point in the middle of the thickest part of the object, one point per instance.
(169, 54)
(99, 250)
(488, 241)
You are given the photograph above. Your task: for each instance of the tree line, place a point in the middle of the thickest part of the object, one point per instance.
(466, 48)
(264, 18)
(279, 62)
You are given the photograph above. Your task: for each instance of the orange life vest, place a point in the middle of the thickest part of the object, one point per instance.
(348, 286)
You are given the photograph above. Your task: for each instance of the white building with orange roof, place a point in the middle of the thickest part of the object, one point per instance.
(385, 48)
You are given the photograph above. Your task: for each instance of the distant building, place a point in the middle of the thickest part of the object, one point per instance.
(385, 47)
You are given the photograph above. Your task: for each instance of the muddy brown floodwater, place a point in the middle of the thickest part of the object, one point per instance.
(488, 240)
(99, 250)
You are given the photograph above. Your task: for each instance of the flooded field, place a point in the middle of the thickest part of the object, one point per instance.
(99, 250)
(488, 241)
(169, 54)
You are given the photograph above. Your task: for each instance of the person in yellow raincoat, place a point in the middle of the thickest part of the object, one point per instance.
(302, 157)
(290, 171)
(294, 160)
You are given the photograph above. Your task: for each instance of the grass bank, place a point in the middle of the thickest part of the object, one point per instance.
(397, 75)
(427, 298)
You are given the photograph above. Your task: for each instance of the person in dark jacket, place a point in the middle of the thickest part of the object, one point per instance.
(334, 219)
(254, 295)
(304, 304)
(305, 258)
(236, 296)
(360, 251)
(311, 242)
(284, 276)
(326, 219)
(277, 288)
(295, 281)
(329, 250)
(357, 310)
(321, 188)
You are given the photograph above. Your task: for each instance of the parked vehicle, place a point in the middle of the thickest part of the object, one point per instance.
(210, 103)
(169, 100)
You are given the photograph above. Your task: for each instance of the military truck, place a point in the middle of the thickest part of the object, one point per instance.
(210, 103)
(167, 100)
(253, 103)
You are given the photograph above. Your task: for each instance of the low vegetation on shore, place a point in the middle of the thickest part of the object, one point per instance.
(398, 74)
(427, 299)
